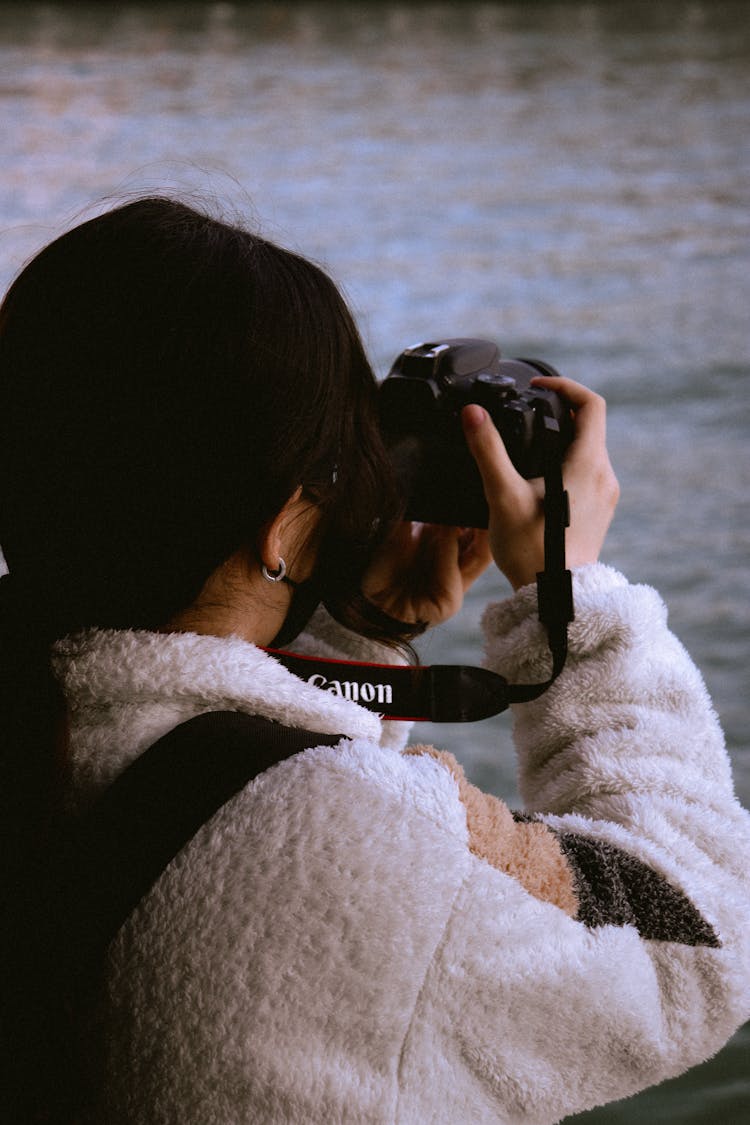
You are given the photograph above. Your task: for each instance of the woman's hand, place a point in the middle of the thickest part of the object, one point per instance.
(422, 571)
(516, 528)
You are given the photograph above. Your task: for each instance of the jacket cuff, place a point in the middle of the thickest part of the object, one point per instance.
(608, 612)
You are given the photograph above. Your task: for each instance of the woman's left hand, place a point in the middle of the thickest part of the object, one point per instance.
(422, 571)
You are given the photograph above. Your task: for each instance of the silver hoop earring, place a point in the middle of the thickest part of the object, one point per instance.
(274, 575)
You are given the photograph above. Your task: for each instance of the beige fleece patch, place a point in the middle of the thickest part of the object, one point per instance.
(529, 853)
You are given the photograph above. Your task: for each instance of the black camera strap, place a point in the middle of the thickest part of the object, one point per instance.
(554, 584)
(451, 693)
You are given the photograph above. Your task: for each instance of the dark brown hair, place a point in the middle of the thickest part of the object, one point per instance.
(167, 381)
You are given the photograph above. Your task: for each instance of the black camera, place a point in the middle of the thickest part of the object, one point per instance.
(420, 403)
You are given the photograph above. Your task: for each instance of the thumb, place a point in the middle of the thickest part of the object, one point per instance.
(487, 449)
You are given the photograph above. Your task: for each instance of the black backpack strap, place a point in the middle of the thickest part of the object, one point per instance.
(156, 806)
(57, 926)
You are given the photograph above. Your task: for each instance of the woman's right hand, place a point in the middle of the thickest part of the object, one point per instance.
(516, 526)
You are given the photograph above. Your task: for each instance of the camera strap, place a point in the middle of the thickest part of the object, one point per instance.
(554, 584)
(453, 693)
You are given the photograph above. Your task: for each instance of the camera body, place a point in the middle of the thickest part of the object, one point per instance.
(420, 405)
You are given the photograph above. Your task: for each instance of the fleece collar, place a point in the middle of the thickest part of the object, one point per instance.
(99, 667)
(126, 688)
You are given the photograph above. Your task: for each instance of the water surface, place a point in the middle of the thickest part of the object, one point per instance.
(570, 179)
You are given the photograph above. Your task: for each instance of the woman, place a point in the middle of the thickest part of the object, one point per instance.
(190, 463)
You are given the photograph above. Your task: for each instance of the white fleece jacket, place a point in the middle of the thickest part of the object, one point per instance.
(359, 936)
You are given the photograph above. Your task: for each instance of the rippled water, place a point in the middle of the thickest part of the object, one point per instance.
(570, 179)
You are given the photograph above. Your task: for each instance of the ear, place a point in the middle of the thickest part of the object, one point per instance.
(277, 538)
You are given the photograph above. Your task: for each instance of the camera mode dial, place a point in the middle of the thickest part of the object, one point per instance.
(492, 390)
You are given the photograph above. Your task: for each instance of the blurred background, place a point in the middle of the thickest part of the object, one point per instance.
(571, 180)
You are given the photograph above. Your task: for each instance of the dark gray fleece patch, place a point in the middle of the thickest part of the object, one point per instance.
(616, 889)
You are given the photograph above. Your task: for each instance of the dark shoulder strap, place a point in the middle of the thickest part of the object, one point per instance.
(56, 926)
(158, 804)
(77, 896)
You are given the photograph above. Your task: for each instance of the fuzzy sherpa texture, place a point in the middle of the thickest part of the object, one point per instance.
(528, 851)
(328, 949)
(128, 688)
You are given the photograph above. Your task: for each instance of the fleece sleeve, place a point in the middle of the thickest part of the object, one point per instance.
(622, 760)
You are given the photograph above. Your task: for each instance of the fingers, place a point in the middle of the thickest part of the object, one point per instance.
(589, 477)
(453, 553)
(474, 554)
(487, 449)
(438, 556)
(590, 411)
(588, 451)
(516, 512)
